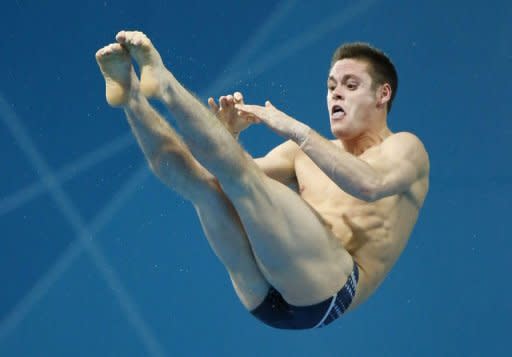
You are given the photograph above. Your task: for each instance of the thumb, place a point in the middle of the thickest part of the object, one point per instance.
(268, 104)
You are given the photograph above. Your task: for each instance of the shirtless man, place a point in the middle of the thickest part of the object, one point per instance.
(296, 260)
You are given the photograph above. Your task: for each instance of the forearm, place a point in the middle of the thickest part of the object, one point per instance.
(350, 173)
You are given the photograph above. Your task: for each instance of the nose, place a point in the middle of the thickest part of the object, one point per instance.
(336, 93)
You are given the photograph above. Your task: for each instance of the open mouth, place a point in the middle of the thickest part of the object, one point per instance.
(337, 112)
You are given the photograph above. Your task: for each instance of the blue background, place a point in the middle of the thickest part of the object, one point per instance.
(98, 258)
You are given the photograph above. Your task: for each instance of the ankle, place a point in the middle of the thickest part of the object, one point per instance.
(135, 100)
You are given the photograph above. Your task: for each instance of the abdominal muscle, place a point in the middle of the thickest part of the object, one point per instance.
(383, 229)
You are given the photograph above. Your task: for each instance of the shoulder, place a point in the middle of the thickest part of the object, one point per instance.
(279, 163)
(287, 149)
(283, 154)
(403, 142)
(406, 146)
(403, 138)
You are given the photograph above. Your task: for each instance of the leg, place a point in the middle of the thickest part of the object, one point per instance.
(222, 227)
(227, 237)
(207, 138)
(294, 250)
(173, 163)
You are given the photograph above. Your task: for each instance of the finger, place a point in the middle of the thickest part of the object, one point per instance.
(230, 100)
(214, 107)
(256, 109)
(244, 114)
(241, 107)
(246, 107)
(251, 118)
(239, 98)
(223, 102)
(268, 104)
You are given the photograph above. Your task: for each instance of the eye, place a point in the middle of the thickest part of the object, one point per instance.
(352, 85)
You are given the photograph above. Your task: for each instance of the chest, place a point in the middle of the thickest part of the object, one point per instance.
(317, 188)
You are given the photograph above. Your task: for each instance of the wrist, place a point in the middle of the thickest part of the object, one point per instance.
(235, 133)
(301, 134)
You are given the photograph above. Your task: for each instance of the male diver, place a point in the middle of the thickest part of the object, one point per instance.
(297, 260)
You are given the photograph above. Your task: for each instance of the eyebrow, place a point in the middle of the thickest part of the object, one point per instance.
(345, 78)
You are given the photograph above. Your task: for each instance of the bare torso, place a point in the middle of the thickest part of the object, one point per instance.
(374, 233)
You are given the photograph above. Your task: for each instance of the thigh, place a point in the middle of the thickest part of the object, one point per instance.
(296, 252)
(227, 238)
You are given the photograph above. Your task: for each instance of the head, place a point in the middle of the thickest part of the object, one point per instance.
(361, 87)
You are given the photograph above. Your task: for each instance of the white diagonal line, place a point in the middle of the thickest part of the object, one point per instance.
(67, 208)
(260, 66)
(307, 38)
(223, 83)
(240, 60)
(72, 252)
(24, 195)
(31, 191)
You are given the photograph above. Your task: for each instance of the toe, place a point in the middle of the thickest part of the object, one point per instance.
(121, 36)
(141, 39)
(103, 52)
(99, 53)
(108, 51)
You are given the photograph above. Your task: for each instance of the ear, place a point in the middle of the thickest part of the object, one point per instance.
(384, 94)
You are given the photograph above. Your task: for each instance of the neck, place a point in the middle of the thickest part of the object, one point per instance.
(366, 140)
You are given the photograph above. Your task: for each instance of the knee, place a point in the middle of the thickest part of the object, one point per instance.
(247, 180)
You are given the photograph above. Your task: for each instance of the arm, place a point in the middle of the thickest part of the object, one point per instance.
(402, 161)
(403, 158)
(279, 163)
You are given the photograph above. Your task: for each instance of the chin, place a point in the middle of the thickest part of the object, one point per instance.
(344, 134)
(339, 132)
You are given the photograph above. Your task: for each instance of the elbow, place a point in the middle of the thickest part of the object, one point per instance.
(369, 196)
(372, 191)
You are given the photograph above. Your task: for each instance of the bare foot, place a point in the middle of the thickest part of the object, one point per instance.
(120, 79)
(152, 69)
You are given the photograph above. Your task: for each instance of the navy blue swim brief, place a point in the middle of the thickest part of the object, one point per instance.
(276, 312)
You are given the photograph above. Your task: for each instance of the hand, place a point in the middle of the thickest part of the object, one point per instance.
(228, 115)
(275, 119)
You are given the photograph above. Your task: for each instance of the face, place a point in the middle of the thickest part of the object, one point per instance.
(351, 101)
